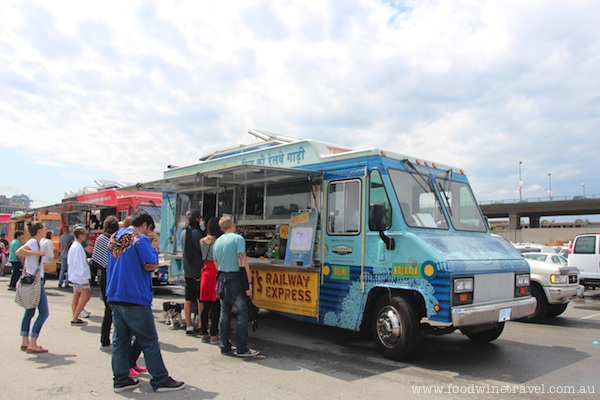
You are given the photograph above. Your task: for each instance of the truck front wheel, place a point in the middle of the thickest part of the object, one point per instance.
(555, 310)
(396, 327)
(542, 304)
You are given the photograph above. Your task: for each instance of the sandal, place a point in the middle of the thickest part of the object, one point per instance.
(24, 348)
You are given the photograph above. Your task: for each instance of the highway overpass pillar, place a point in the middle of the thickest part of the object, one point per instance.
(534, 221)
(514, 221)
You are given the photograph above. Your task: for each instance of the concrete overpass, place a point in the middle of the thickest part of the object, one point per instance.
(536, 209)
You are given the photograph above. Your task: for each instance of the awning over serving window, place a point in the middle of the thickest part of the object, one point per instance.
(71, 206)
(225, 177)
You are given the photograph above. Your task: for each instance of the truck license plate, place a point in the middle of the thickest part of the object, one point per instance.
(504, 315)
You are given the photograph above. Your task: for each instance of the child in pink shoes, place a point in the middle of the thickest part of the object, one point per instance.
(135, 371)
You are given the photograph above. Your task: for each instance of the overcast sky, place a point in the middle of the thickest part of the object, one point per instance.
(118, 90)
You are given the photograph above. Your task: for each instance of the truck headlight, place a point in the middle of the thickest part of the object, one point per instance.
(522, 280)
(559, 279)
(462, 291)
(463, 285)
(522, 285)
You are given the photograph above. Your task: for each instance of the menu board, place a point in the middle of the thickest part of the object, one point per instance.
(301, 238)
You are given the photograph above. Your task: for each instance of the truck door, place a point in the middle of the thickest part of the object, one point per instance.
(342, 251)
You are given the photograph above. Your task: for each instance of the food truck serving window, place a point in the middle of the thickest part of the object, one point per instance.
(343, 207)
(286, 198)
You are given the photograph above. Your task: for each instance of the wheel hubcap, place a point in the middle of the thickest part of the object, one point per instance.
(388, 327)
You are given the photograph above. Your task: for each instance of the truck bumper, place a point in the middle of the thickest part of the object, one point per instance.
(493, 313)
(560, 295)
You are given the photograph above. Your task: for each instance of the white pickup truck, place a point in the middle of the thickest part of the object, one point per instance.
(552, 285)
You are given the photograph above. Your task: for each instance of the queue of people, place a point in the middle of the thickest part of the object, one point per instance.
(126, 258)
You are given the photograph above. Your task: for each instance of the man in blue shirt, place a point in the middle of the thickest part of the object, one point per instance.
(229, 253)
(132, 259)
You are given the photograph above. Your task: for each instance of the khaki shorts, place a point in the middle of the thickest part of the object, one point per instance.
(79, 287)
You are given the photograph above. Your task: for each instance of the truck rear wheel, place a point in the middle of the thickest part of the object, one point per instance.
(396, 327)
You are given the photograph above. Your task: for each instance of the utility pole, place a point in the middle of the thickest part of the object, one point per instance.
(520, 183)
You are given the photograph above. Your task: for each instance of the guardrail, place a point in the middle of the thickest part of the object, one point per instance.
(541, 199)
(4, 209)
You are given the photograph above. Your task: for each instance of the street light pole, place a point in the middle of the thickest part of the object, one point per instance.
(520, 183)
(583, 187)
(550, 186)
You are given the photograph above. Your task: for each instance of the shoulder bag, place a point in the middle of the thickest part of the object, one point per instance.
(29, 289)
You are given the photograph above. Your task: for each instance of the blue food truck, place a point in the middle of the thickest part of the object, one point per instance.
(365, 240)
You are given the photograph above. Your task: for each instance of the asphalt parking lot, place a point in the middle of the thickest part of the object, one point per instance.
(75, 368)
(302, 360)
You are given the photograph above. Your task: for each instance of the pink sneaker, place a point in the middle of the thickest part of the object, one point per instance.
(139, 368)
(133, 373)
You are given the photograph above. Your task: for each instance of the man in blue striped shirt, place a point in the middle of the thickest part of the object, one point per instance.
(100, 259)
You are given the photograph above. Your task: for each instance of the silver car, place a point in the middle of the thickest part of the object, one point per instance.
(547, 257)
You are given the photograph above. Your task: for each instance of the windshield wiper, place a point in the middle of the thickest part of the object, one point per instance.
(444, 191)
(423, 178)
(446, 198)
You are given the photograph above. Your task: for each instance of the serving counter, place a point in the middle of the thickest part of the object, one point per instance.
(285, 288)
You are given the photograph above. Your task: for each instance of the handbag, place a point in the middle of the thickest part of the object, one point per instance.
(29, 290)
(27, 279)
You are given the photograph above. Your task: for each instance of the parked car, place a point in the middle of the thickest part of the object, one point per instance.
(553, 286)
(547, 257)
(564, 252)
(533, 248)
(585, 255)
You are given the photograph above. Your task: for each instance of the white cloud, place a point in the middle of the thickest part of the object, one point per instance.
(125, 88)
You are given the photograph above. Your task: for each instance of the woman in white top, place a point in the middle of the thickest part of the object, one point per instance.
(79, 275)
(48, 247)
(33, 253)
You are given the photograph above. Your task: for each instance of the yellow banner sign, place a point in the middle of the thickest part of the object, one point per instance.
(289, 291)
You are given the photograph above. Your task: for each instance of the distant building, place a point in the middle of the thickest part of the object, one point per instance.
(20, 200)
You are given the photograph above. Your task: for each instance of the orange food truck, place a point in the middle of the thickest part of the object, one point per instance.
(21, 220)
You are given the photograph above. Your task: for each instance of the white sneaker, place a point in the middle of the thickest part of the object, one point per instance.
(249, 353)
(84, 314)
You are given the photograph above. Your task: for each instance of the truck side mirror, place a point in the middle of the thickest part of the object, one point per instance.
(378, 222)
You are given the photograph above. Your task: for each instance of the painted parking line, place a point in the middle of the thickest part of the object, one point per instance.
(591, 316)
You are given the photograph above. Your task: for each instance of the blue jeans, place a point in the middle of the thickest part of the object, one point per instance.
(138, 321)
(43, 314)
(62, 275)
(241, 336)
